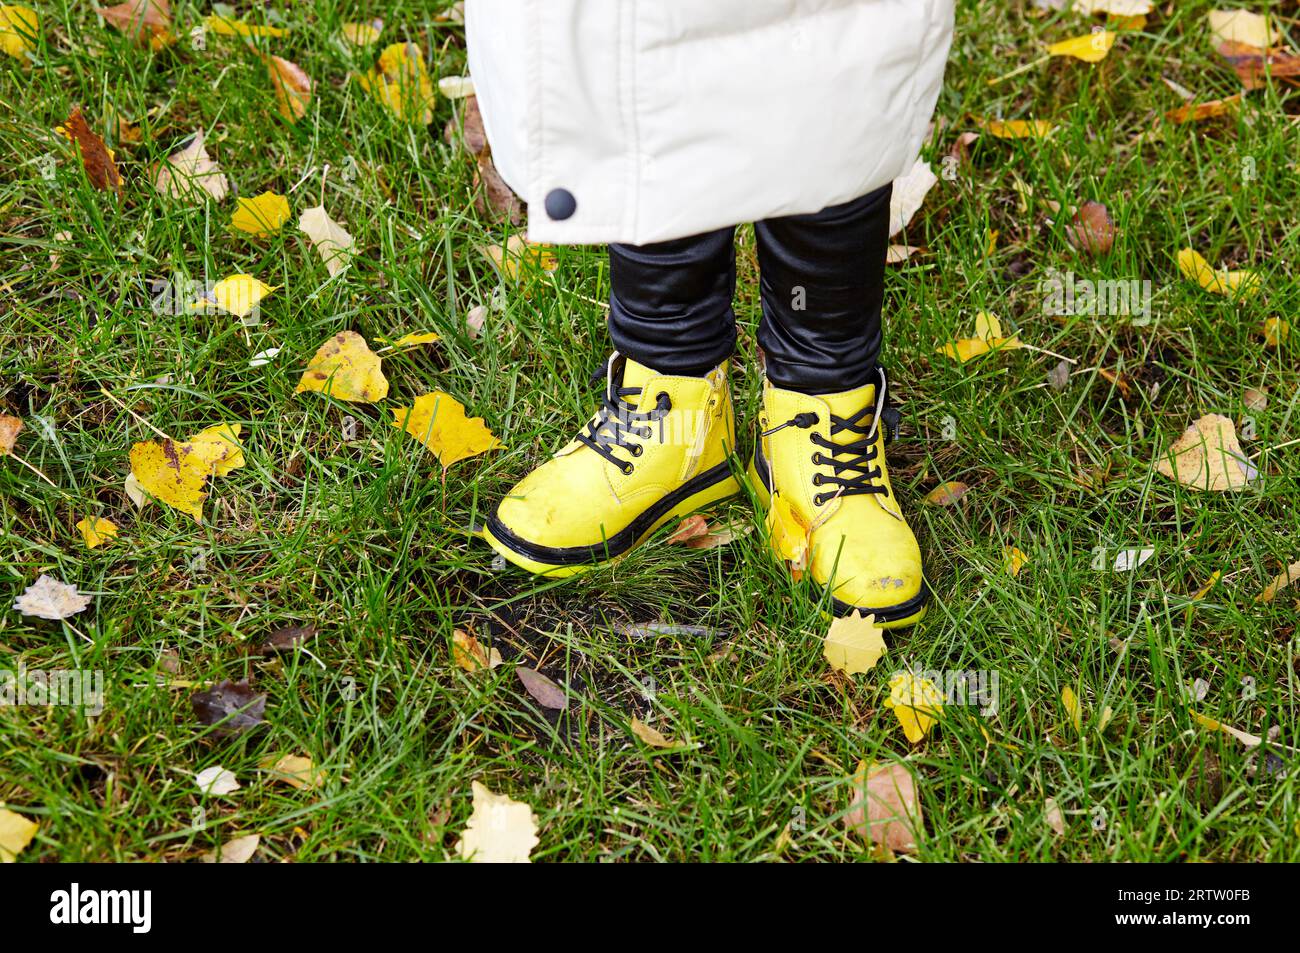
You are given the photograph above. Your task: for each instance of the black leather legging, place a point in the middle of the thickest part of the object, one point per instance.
(821, 288)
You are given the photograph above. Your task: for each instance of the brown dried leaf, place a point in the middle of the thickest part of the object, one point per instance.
(292, 87)
(232, 707)
(10, 428)
(690, 528)
(1092, 230)
(95, 157)
(1254, 65)
(946, 494)
(545, 691)
(287, 638)
(494, 199)
(145, 21)
(651, 736)
(885, 808)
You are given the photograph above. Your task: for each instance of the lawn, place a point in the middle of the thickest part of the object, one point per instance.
(340, 521)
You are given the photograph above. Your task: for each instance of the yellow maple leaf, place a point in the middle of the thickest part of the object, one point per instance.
(786, 533)
(853, 644)
(237, 295)
(1193, 265)
(16, 832)
(96, 531)
(262, 215)
(401, 82)
(176, 472)
(225, 26)
(500, 831)
(1018, 128)
(19, 28)
(439, 422)
(916, 702)
(1091, 47)
(346, 368)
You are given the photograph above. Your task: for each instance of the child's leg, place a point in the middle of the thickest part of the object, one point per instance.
(670, 302)
(824, 422)
(659, 446)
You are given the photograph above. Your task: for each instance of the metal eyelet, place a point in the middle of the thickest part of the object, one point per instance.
(817, 479)
(818, 500)
(636, 449)
(627, 470)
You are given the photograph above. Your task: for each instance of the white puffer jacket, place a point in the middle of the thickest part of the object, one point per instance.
(644, 120)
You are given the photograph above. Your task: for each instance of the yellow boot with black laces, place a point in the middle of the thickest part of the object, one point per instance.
(825, 455)
(658, 449)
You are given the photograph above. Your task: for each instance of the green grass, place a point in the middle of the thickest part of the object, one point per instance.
(366, 538)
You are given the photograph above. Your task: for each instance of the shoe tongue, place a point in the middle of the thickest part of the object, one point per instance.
(850, 402)
(636, 375)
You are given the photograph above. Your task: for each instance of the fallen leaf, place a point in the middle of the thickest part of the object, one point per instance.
(1090, 48)
(474, 320)
(292, 87)
(1245, 737)
(230, 707)
(499, 831)
(915, 701)
(1208, 457)
(1058, 378)
(1254, 66)
(1013, 560)
(47, 598)
(330, 239)
(456, 87)
(908, 195)
(216, 781)
(20, 28)
(1126, 560)
(853, 644)
(884, 808)
(190, 174)
(1197, 111)
(287, 638)
(1017, 128)
(1285, 578)
(988, 337)
(786, 533)
(651, 736)
(1072, 708)
(1117, 8)
(469, 654)
(946, 494)
(414, 339)
(519, 256)
(1092, 230)
(262, 358)
(897, 254)
(690, 528)
(237, 295)
(469, 130)
(1254, 399)
(1193, 266)
(227, 26)
(1275, 332)
(176, 472)
(96, 531)
(361, 35)
(296, 771)
(240, 850)
(401, 83)
(438, 421)
(1052, 815)
(16, 832)
(1241, 26)
(135, 491)
(96, 158)
(10, 428)
(545, 691)
(495, 200)
(344, 367)
(147, 22)
(261, 215)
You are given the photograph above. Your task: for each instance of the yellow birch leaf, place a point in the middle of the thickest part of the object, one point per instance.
(416, 338)
(291, 85)
(10, 428)
(853, 644)
(1072, 708)
(469, 654)
(16, 832)
(237, 295)
(225, 26)
(1091, 47)
(787, 534)
(1241, 26)
(346, 368)
(330, 239)
(361, 34)
(439, 422)
(988, 337)
(916, 703)
(1194, 266)
(1018, 128)
(219, 447)
(1275, 331)
(1245, 737)
(1013, 560)
(1285, 578)
(651, 736)
(176, 473)
(19, 28)
(401, 82)
(1208, 457)
(96, 531)
(500, 831)
(518, 256)
(262, 215)
(296, 771)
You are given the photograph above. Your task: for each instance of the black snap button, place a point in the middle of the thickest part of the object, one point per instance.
(560, 204)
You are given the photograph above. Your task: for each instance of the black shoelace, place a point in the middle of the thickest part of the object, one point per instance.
(851, 462)
(617, 419)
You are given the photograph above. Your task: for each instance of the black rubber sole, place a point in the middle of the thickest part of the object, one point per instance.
(621, 541)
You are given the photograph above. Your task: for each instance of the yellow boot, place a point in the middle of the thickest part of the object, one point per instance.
(658, 449)
(826, 455)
